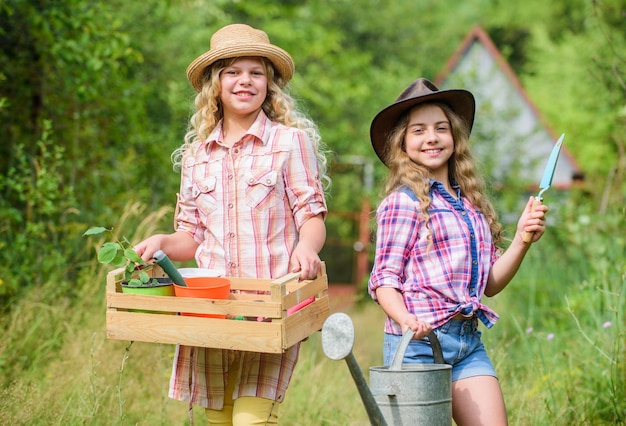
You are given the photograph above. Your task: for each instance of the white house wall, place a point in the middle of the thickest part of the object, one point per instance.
(508, 137)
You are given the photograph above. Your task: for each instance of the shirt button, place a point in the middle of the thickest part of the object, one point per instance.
(230, 206)
(268, 181)
(230, 177)
(463, 213)
(236, 150)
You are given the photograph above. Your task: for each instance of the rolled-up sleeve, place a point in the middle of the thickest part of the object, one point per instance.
(397, 220)
(187, 218)
(302, 180)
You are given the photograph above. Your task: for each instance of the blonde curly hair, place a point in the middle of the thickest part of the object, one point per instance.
(461, 169)
(279, 106)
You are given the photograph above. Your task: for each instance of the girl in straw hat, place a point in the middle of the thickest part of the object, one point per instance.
(251, 204)
(437, 243)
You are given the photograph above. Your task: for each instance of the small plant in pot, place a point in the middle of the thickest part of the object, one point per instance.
(120, 253)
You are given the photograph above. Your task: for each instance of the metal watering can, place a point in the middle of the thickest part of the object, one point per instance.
(400, 394)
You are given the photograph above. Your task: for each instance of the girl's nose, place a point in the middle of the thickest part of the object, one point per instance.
(431, 135)
(246, 78)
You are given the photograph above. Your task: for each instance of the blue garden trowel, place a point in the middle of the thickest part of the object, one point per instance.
(546, 180)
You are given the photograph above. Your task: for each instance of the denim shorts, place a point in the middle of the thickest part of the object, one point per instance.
(460, 344)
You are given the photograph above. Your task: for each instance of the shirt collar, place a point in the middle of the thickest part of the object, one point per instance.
(259, 130)
(435, 185)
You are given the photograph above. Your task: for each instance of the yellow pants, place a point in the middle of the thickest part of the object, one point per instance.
(244, 411)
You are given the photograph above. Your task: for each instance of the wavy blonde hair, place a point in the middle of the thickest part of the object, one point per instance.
(279, 106)
(461, 169)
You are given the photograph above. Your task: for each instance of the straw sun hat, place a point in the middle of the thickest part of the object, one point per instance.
(236, 41)
(420, 91)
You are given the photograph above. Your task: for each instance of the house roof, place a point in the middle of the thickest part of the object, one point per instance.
(510, 134)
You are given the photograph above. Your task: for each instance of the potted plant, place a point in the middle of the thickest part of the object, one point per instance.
(120, 253)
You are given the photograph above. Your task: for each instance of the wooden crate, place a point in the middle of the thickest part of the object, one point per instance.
(275, 335)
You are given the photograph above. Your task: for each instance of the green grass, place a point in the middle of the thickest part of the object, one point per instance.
(577, 377)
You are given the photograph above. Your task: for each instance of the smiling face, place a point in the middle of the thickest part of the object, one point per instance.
(243, 87)
(428, 140)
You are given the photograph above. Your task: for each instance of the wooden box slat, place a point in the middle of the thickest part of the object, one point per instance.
(275, 334)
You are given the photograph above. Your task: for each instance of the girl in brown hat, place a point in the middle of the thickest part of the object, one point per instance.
(437, 243)
(251, 204)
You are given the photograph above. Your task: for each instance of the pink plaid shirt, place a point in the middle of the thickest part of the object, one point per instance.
(438, 278)
(244, 206)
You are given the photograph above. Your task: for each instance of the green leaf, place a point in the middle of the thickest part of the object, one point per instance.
(95, 230)
(130, 267)
(108, 252)
(119, 260)
(144, 277)
(135, 282)
(128, 272)
(133, 256)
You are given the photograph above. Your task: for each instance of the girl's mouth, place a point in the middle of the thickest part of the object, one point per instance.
(432, 151)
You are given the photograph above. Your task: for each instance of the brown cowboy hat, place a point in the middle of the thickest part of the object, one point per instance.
(237, 41)
(420, 91)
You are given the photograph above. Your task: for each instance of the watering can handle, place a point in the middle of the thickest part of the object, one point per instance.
(396, 364)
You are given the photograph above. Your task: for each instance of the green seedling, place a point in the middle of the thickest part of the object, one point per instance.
(120, 253)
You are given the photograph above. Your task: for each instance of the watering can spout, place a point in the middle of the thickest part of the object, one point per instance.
(400, 394)
(337, 342)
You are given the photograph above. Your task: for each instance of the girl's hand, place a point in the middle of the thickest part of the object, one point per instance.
(533, 221)
(305, 260)
(148, 247)
(420, 328)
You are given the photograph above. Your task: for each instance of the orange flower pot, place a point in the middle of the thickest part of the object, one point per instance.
(204, 288)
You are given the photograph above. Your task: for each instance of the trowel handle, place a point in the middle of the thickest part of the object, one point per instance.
(527, 236)
(164, 262)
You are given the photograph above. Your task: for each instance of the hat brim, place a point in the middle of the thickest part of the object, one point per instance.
(461, 101)
(278, 57)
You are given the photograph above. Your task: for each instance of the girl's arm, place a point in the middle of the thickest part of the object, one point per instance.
(505, 268)
(305, 258)
(179, 246)
(390, 299)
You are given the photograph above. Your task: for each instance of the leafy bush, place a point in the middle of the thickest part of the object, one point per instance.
(37, 210)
